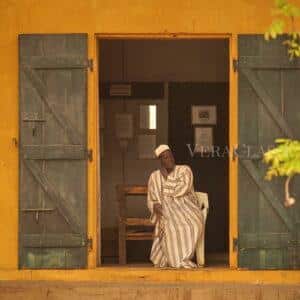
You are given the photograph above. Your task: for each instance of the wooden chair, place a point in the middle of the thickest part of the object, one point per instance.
(125, 232)
(203, 203)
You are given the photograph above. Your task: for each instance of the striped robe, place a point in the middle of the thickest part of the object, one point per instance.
(177, 232)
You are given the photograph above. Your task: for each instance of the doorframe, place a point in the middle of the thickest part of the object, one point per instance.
(94, 180)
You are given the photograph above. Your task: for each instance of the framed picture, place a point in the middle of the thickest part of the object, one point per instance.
(204, 114)
(203, 139)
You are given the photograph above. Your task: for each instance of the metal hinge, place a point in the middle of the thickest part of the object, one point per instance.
(89, 243)
(235, 244)
(91, 64)
(90, 154)
(235, 64)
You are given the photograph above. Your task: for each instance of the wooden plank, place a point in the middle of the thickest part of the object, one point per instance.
(58, 200)
(290, 109)
(248, 192)
(48, 152)
(138, 221)
(57, 62)
(267, 102)
(58, 240)
(139, 237)
(133, 189)
(269, 222)
(265, 240)
(268, 62)
(41, 89)
(268, 193)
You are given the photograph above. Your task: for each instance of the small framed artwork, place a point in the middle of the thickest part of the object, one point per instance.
(146, 146)
(203, 139)
(204, 115)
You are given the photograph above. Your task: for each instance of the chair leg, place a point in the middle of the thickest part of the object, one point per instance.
(200, 250)
(122, 245)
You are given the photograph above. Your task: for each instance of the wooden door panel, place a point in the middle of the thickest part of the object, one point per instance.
(53, 154)
(268, 232)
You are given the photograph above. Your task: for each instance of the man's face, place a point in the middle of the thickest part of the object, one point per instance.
(167, 160)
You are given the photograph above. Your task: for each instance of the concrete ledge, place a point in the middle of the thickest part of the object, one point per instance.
(12, 290)
(150, 274)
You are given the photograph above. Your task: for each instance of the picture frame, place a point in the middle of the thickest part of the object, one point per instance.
(203, 139)
(204, 115)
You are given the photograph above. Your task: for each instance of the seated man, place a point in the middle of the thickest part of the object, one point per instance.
(174, 211)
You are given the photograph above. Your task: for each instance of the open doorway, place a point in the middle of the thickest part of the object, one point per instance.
(174, 92)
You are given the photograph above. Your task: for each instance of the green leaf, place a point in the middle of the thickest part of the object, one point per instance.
(273, 34)
(281, 140)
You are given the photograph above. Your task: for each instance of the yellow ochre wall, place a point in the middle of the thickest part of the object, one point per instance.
(103, 17)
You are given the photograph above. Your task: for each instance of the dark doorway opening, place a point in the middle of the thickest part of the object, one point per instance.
(210, 168)
(157, 84)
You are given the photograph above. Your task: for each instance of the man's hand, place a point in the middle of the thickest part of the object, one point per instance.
(158, 209)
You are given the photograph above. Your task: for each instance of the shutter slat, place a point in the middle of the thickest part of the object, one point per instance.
(265, 241)
(269, 195)
(58, 200)
(53, 240)
(41, 89)
(267, 102)
(42, 62)
(268, 62)
(48, 152)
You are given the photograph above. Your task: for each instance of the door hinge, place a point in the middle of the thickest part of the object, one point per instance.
(91, 64)
(15, 142)
(235, 244)
(90, 154)
(235, 64)
(89, 244)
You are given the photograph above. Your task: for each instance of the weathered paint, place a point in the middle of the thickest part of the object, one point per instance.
(104, 17)
(233, 164)
(142, 274)
(187, 291)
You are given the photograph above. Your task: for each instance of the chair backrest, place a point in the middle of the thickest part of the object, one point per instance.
(203, 202)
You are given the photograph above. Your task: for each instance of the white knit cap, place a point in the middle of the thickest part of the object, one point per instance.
(160, 149)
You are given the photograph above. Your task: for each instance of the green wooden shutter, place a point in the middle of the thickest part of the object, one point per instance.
(53, 139)
(269, 107)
